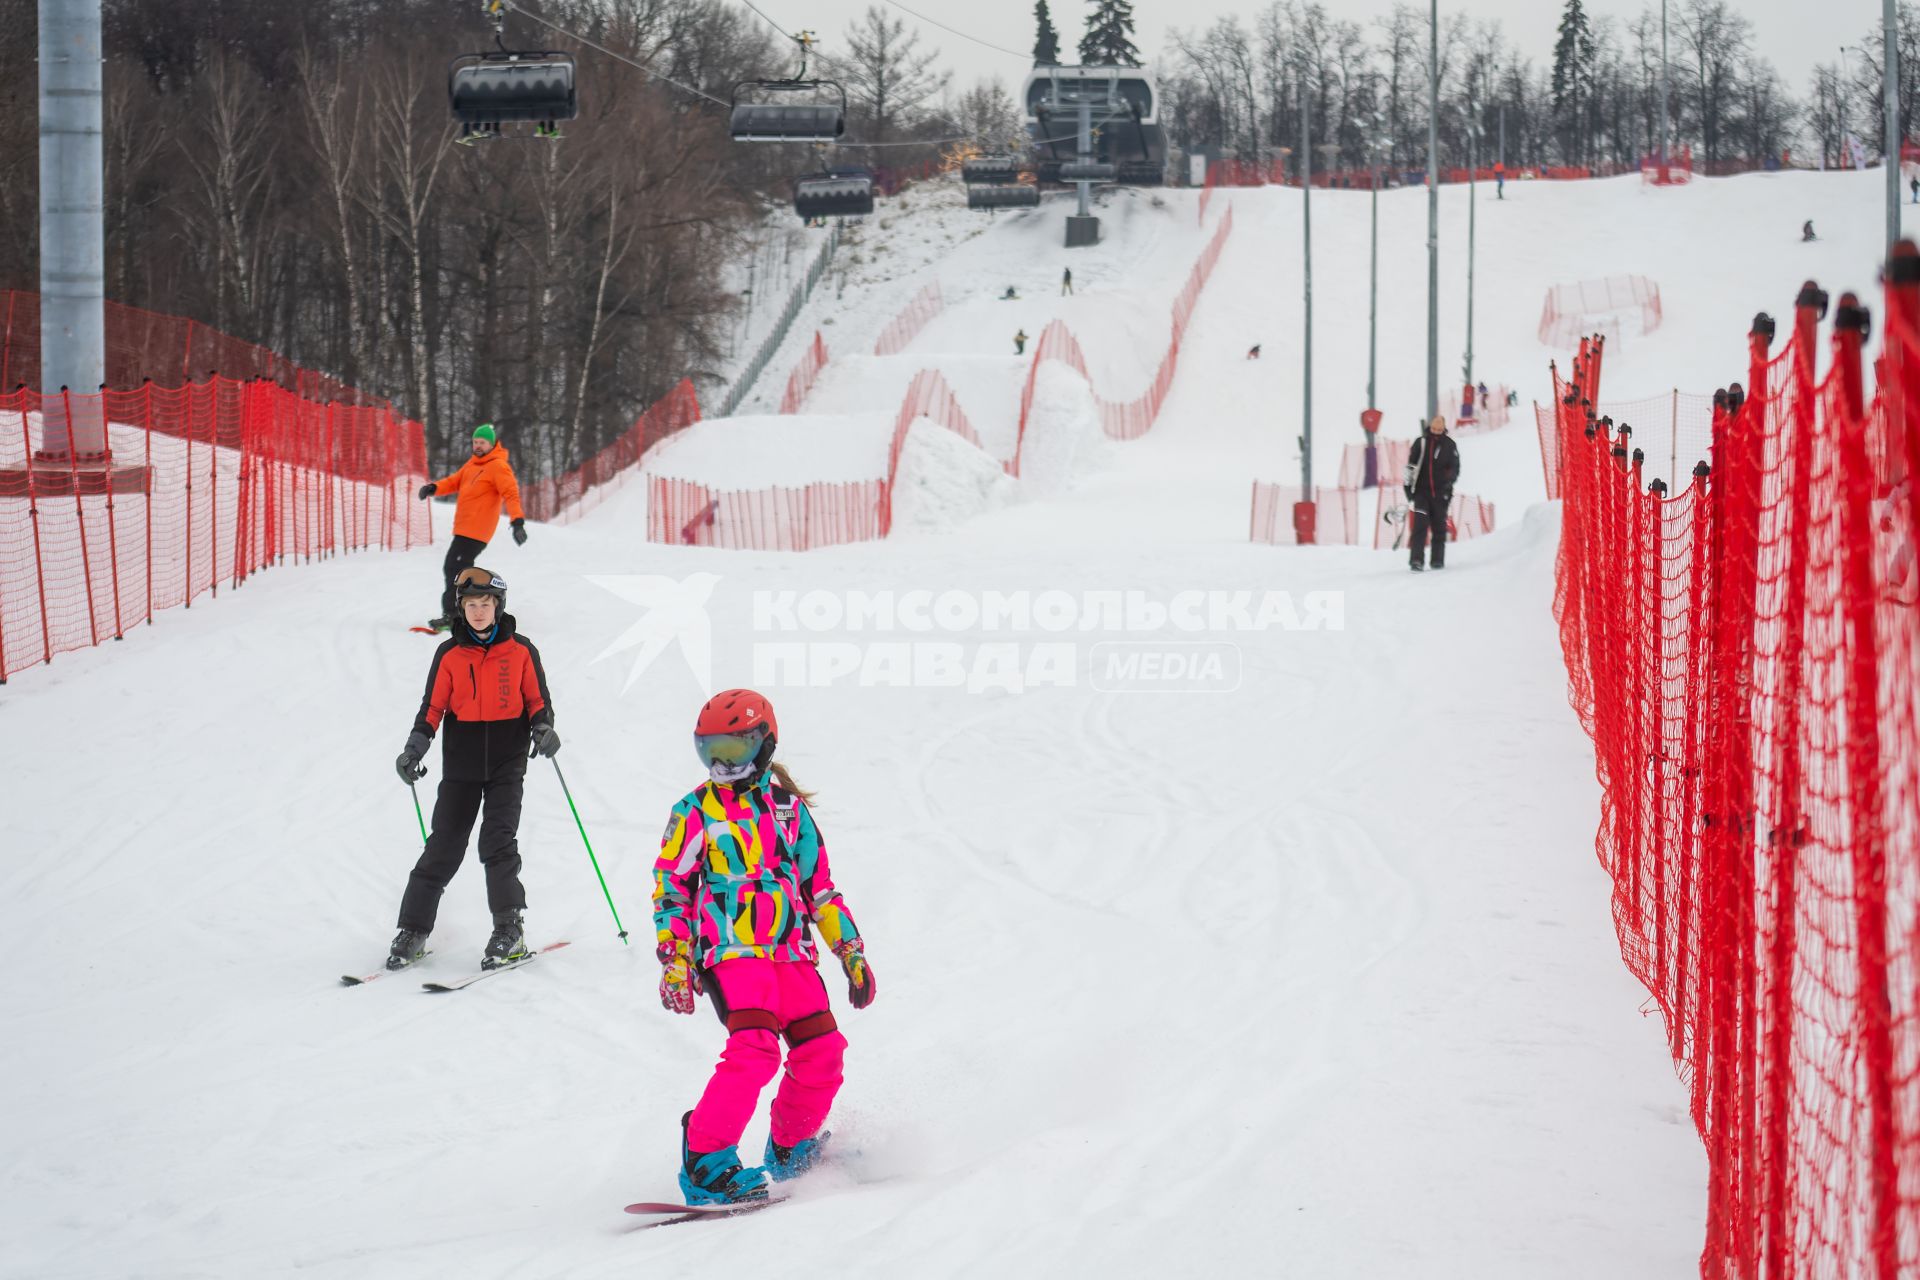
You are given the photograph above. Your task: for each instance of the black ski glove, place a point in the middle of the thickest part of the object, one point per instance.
(408, 766)
(519, 533)
(426, 491)
(545, 741)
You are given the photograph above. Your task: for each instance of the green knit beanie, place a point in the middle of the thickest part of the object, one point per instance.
(485, 432)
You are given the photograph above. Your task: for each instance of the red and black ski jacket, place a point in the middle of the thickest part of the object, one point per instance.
(488, 692)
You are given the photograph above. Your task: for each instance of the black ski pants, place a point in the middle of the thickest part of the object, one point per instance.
(1430, 515)
(460, 555)
(454, 810)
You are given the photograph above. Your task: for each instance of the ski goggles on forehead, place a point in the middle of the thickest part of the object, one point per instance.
(479, 580)
(730, 749)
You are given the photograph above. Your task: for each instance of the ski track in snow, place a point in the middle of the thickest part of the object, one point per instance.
(1315, 978)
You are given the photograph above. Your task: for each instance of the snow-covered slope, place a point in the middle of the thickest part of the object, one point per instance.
(1309, 975)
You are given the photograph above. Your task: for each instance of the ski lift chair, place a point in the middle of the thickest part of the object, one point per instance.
(994, 170)
(846, 193)
(1086, 171)
(787, 121)
(1017, 195)
(488, 90)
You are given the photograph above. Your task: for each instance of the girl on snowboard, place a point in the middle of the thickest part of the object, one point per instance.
(740, 884)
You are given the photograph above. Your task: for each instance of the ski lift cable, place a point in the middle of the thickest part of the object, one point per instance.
(721, 102)
(617, 57)
(1024, 57)
(836, 63)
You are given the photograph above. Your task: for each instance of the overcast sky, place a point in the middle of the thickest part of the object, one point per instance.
(1792, 34)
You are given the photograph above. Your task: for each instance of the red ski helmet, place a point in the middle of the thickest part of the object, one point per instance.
(734, 735)
(736, 711)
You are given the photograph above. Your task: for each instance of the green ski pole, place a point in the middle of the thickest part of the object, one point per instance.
(417, 813)
(568, 791)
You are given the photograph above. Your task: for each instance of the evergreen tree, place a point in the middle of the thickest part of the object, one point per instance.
(1046, 41)
(1573, 65)
(1109, 37)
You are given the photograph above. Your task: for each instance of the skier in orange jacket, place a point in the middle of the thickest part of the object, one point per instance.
(485, 483)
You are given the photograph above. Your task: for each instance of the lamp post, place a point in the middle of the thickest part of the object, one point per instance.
(1433, 212)
(1306, 250)
(1889, 38)
(1473, 187)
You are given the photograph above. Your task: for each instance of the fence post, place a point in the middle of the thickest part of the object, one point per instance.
(1866, 772)
(146, 422)
(33, 516)
(187, 474)
(213, 493)
(113, 531)
(80, 513)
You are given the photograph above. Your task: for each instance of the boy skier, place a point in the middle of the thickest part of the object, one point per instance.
(488, 686)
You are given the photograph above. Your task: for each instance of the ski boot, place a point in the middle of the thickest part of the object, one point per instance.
(440, 624)
(785, 1163)
(717, 1177)
(408, 945)
(508, 943)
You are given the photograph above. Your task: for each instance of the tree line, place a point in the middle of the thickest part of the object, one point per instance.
(289, 174)
(1236, 88)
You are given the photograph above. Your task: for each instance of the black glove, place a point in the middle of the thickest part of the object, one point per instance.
(1409, 491)
(426, 491)
(519, 533)
(545, 741)
(408, 766)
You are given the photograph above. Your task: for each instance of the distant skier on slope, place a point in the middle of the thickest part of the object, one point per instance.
(1806, 232)
(740, 886)
(1066, 281)
(485, 483)
(1433, 465)
(1020, 343)
(488, 687)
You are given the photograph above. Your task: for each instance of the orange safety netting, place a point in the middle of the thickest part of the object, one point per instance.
(805, 374)
(1745, 652)
(170, 350)
(565, 497)
(204, 485)
(1125, 419)
(913, 317)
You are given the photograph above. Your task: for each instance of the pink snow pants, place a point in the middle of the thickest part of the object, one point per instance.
(790, 990)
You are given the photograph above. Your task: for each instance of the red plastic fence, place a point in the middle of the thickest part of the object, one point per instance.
(1336, 520)
(1745, 652)
(818, 515)
(171, 350)
(216, 480)
(805, 374)
(1390, 463)
(1467, 517)
(1279, 173)
(1674, 431)
(775, 519)
(906, 326)
(1490, 414)
(1572, 312)
(564, 498)
(1125, 419)
(1677, 171)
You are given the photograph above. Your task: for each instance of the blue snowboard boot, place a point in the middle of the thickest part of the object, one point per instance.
(784, 1163)
(716, 1177)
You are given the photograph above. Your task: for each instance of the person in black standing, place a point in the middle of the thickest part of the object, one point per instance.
(488, 691)
(1066, 281)
(1433, 464)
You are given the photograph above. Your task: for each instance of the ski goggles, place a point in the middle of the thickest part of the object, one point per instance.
(479, 582)
(729, 750)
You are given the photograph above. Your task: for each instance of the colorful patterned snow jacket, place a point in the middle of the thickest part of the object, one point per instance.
(743, 872)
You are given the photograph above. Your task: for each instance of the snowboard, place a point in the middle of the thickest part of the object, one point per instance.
(695, 1212)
